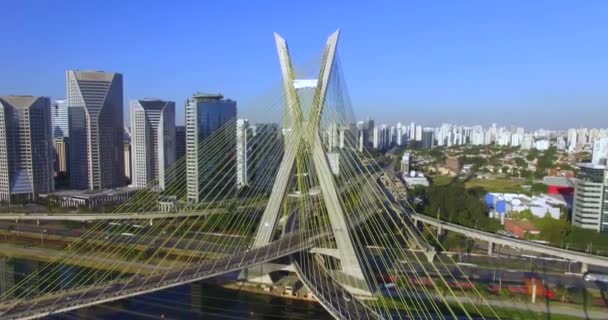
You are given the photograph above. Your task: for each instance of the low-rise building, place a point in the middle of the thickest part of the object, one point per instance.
(501, 204)
(520, 228)
(413, 179)
(90, 198)
(453, 163)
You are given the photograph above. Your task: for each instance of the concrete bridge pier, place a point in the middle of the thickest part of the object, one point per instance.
(584, 267)
(490, 248)
(439, 231)
(150, 223)
(430, 254)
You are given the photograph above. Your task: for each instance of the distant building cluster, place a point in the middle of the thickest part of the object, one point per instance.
(383, 137)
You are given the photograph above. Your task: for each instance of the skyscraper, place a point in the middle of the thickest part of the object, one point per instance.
(152, 141)
(180, 142)
(59, 119)
(26, 147)
(205, 114)
(96, 129)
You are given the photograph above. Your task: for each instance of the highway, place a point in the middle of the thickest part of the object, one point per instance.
(52, 233)
(103, 216)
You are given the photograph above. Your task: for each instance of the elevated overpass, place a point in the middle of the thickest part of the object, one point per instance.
(494, 239)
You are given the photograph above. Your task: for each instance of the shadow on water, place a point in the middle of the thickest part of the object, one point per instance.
(202, 301)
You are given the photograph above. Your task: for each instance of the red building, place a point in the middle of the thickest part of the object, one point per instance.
(559, 185)
(520, 228)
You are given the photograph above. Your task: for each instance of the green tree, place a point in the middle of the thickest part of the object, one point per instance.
(520, 162)
(539, 188)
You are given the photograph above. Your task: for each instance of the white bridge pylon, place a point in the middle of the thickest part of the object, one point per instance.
(307, 132)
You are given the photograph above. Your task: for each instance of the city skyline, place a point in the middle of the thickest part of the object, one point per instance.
(445, 64)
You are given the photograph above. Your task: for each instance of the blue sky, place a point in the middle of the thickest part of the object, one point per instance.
(529, 63)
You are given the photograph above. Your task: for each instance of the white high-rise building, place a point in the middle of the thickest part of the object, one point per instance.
(600, 151)
(26, 147)
(527, 141)
(412, 133)
(582, 138)
(206, 114)
(152, 142)
(243, 131)
(541, 145)
(400, 134)
(589, 208)
(572, 138)
(405, 162)
(418, 133)
(516, 140)
(380, 136)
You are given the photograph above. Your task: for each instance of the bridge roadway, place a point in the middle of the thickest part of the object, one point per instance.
(493, 238)
(135, 215)
(72, 299)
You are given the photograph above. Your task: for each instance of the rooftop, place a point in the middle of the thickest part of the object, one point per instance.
(590, 165)
(92, 193)
(558, 181)
(524, 224)
(212, 96)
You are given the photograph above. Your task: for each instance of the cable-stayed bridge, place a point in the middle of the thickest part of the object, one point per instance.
(296, 184)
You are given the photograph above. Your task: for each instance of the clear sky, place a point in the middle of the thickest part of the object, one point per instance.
(529, 63)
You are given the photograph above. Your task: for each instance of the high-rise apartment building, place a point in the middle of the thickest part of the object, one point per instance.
(418, 133)
(589, 209)
(600, 150)
(412, 132)
(26, 147)
(95, 102)
(152, 142)
(205, 115)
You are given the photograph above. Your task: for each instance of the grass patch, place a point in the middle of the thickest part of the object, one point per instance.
(496, 185)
